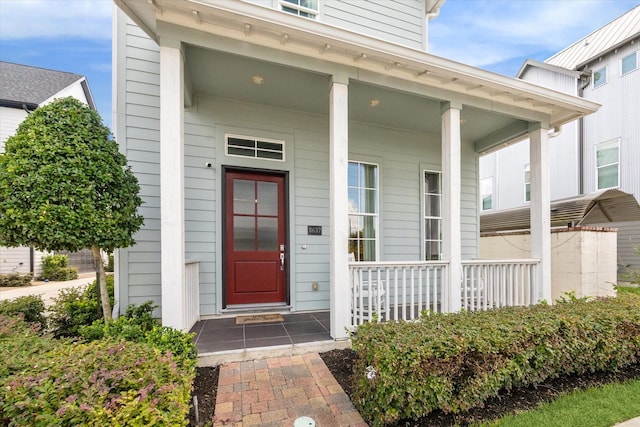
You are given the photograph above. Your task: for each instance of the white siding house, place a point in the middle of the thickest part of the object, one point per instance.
(597, 152)
(23, 89)
(271, 141)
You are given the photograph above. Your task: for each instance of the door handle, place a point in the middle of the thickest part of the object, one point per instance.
(281, 260)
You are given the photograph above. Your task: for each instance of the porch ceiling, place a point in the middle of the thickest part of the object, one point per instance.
(496, 108)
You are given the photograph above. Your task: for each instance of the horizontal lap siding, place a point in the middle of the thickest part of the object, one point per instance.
(399, 22)
(141, 93)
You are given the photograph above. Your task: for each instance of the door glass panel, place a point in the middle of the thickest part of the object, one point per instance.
(243, 197)
(267, 198)
(244, 233)
(267, 234)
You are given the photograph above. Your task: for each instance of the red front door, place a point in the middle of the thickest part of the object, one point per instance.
(255, 238)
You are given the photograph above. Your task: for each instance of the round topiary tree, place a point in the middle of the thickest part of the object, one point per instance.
(65, 186)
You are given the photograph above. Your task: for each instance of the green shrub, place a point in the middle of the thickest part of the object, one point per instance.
(30, 308)
(76, 307)
(454, 362)
(15, 280)
(139, 325)
(104, 382)
(109, 266)
(55, 268)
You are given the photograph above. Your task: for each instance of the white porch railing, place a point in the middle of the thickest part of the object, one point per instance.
(402, 290)
(396, 290)
(490, 284)
(191, 293)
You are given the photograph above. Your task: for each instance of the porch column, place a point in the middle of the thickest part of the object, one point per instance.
(172, 184)
(451, 235)
(540, 207)
(340, 293)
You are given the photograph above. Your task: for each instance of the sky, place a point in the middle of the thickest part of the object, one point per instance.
(496, 35)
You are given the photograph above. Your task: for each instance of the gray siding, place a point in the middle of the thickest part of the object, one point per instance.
(617, 118)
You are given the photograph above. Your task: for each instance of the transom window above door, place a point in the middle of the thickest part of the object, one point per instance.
(363, 210)
(257, 148)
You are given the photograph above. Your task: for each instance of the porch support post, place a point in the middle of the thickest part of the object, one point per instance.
(340, 293)
(172, 184)
(540, 207)
(451, 183)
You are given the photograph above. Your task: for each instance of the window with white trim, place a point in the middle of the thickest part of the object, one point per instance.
(486, 193)
(432, 215)
(363, 210)
(599, 77)
(629, 63)
(527, 183)
(607, 164)
(257, 148)
(304, 8)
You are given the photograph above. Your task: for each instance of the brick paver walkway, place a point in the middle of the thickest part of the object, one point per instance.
(276, 391)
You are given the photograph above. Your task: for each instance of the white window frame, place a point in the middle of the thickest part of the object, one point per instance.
(375, 215)
(282, 4)
(635, 67)
(606, 76)
(255, 139)
(527, 182)
(600, 146)
(484, 194)
(425, 215)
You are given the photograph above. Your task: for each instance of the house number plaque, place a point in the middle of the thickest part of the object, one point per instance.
(314, 230)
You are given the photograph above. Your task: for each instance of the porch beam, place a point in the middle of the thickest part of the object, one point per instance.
(451, 189)
(540, 207)
(172, 183)
(338, 206)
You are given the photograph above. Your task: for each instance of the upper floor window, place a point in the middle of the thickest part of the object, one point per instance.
(599, 77)
(486, 193)
(305, 8)
(432, 215)
(607, 164)
(363, 210)
(629, 63)
(527, 183)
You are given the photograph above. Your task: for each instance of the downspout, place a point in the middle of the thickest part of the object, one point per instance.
(586, 74)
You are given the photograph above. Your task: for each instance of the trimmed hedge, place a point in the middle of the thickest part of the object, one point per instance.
(15, 280)
(55, 268)
(47, 382)
(454, 362)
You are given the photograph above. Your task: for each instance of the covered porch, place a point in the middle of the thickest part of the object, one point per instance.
(350, 98)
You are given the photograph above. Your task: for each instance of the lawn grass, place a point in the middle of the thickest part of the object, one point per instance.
(628, 289)
(595, 407)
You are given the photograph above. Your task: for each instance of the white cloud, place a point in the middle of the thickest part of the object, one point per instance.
(20, 19)
(482, 33)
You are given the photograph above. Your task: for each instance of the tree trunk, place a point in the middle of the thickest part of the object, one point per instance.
(102, 283)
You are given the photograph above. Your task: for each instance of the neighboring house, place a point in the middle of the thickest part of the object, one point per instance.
(599, 152)
(23, 89)
(273, 138)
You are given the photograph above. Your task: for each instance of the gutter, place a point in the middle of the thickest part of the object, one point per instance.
(586, 75)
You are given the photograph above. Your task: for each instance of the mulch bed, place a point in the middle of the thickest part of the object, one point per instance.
(340, 364)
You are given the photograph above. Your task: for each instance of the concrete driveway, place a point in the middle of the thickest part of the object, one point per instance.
(48, 290)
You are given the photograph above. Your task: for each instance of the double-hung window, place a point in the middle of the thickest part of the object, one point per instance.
(607, 164)
(305, 8)
(363, 210)
(486, 193)
(432, 215)
(527, 183)
(629, 63)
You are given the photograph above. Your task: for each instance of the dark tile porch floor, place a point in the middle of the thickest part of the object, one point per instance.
(214, 335)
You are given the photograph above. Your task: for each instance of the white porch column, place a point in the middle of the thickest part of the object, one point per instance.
(540, 207)
(451, 183)
(340, 294)
(172, 184)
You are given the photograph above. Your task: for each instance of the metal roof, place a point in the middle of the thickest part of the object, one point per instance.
(31, 86)
(595, 208)
(602, 40)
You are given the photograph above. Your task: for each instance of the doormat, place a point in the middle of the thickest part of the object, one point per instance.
(259, 318)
